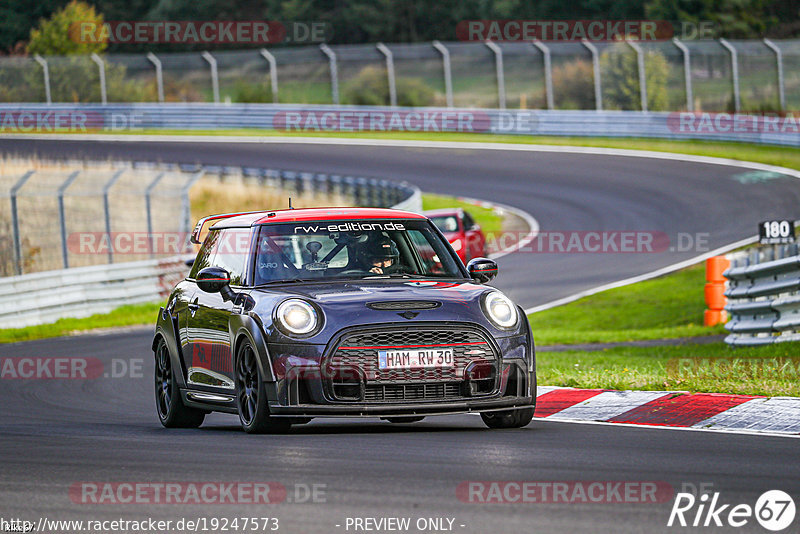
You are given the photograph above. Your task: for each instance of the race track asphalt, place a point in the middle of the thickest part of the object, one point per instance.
(55, 434)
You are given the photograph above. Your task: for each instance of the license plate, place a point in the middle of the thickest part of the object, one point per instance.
(415, 358)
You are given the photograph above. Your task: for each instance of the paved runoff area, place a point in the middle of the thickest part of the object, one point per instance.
(713, 411)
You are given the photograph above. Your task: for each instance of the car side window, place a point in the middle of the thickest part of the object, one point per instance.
(469, 222)
(231, 252)
(206, 254)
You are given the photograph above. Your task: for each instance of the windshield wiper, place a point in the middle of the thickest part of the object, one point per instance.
(287, 281)
(391, 275)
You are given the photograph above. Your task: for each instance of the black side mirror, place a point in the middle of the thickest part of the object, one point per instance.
(482, 270)
(215, 280)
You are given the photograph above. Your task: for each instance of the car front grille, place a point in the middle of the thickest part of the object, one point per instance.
(360, 350)
(400, 392)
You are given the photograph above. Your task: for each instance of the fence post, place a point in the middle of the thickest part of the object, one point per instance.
(779, 61)
(101, 67)
(273, 73)
(212, 62)
(107, 211)
(642, 72)
(159, 75)
(46, 71)
(62, 216)
(548, 73)
(147, 194)
(501, 78)
(598, 94)
(389, 73)
(186, 213)
(737, 103)
(334, 71)
(448, 77)
(687, 73)
(15, 220)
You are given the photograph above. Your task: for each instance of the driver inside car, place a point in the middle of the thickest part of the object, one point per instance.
(379, 256)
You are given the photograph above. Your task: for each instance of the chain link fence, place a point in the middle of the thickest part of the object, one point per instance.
(702, 75)
(60, 216)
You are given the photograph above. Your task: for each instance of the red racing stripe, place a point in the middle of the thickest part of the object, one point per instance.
(561, 399)
(680, 409)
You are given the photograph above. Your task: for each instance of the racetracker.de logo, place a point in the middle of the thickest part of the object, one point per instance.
(71, 120)
(383, 121)
(564, 30)
(564, 492)
(177, 493)
(261, 32)
(50, 368)
(727, 123)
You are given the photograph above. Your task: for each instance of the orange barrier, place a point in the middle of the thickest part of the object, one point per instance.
(714, 291)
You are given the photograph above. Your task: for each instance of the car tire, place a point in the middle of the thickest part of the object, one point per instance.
(170, 408)
(508, 419)
(251, 397)
(405, 420)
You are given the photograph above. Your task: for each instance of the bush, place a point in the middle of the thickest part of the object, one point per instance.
(57, 36)
(251, 93)
(573, 85)
(371, 88)
(620, 68)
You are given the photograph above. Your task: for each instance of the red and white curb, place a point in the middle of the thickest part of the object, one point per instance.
(675, 409)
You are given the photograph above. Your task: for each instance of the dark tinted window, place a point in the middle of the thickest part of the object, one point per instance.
(231, 251)
(206, 253)
(468, 221)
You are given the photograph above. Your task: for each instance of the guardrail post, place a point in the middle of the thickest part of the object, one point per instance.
(448, 77)
(107, 211)
(62, 216)
(389, 73)
(598, 94)
(501, 78)
(101, 67)
(548, 73)
(186, 212)
(687, 72)
(334, 71)
(779, 62)
(147, 194)
(15, 220)
(737, 103)
(212, 62)
(46, 72)
(642, 72)
(273, 73)
(159, 75)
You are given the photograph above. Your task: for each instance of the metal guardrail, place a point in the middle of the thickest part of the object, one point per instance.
(44, 297)
(130, 118)
(764, 298)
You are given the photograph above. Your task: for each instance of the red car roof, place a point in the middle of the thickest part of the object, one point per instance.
(315, 214)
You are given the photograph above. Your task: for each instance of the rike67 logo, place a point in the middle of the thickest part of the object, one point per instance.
(774, 510)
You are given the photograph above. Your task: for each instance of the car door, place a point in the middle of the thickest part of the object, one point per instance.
(209, 363)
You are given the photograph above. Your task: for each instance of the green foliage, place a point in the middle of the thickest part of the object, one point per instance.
(60, 34)
(735, 19)
(620, 68)
(251, 93)
(573, 85)
(371, 88)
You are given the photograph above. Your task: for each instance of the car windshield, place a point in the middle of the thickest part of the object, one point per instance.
(446, 223)
(360, 249)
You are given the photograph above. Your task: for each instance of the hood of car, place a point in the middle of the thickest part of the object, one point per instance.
(371, 302)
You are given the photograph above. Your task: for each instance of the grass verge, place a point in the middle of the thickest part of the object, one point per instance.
(129, 315)
(670, 306)
(773, 370)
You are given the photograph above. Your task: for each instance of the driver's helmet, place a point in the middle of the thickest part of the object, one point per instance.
(379, 251)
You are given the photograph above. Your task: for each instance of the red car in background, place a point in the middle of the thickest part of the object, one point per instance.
(461, 230)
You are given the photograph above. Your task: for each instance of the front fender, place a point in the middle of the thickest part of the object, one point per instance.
(246, 326)
(167, 329)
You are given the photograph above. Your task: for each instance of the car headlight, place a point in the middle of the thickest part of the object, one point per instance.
(296, 316)
(500, 310)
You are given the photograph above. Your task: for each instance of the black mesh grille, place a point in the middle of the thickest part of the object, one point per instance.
(404, 305)
(398, 392)
(361, 350)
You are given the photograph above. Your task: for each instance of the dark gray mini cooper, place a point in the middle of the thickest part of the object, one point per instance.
(342, 312)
